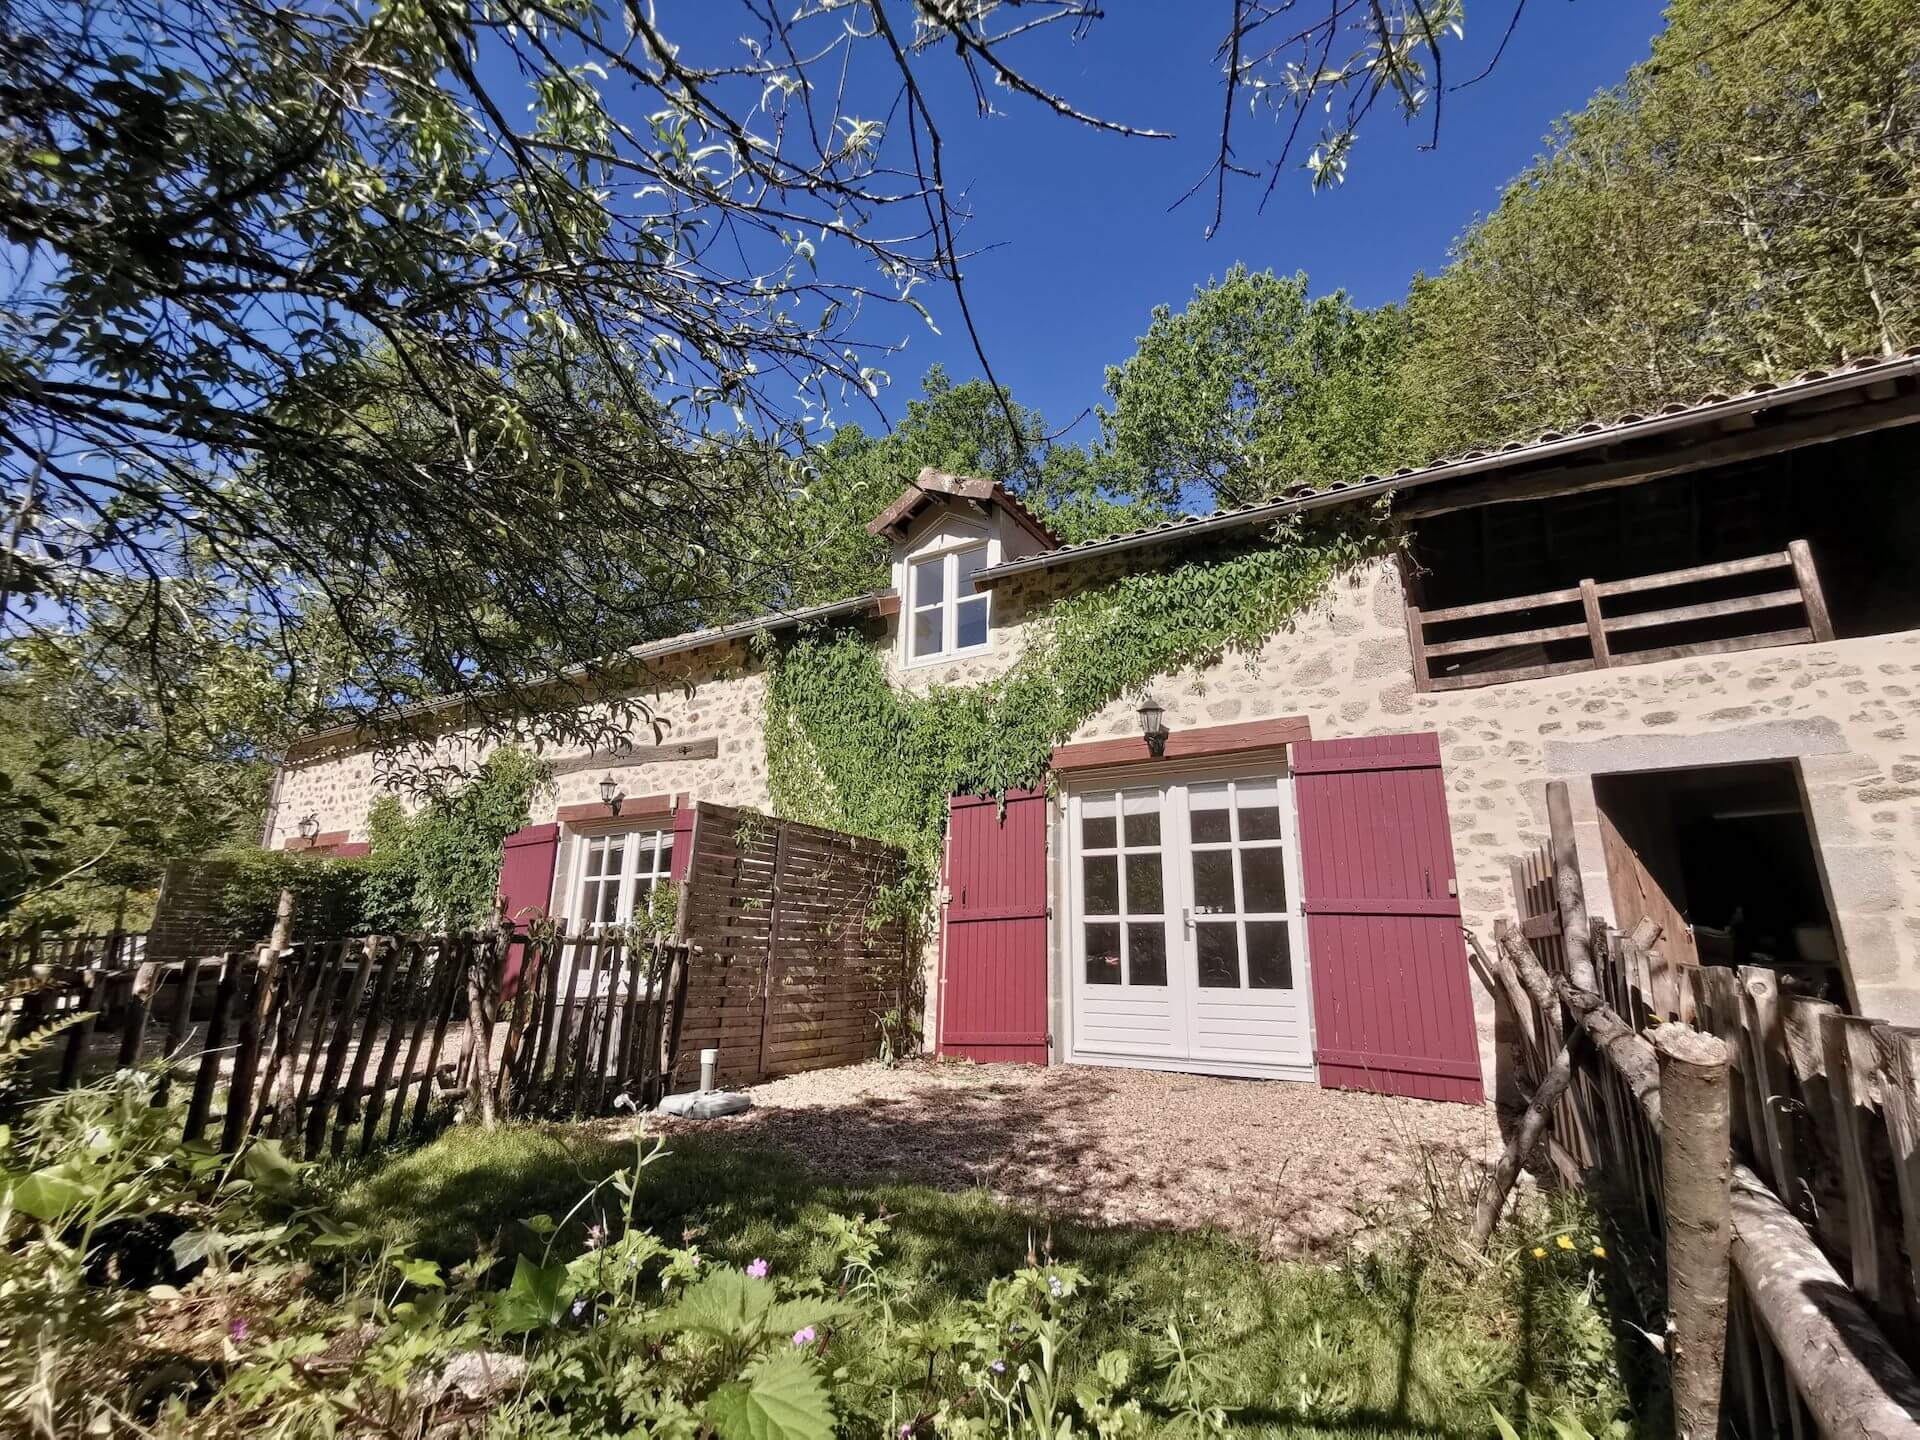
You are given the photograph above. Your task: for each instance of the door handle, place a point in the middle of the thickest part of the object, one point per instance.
(1186, 920)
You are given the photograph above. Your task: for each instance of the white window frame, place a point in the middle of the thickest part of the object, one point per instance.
(948, 605)
(658, 868)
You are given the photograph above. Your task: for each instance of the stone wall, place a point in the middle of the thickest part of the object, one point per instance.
(1843, 712)
(718, 693)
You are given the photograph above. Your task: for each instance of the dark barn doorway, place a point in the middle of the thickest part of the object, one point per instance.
(1723, 858)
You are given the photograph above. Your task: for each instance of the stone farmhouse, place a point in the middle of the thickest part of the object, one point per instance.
(1706, 621)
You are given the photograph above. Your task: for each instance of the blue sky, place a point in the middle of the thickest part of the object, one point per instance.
(1085, 245)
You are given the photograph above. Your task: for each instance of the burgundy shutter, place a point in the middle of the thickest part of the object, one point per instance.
(1392, 1011)
(682, 838)
(526, 887)
(993, 961)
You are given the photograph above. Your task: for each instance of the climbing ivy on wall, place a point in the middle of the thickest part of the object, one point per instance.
(846, 749)
(439, 866)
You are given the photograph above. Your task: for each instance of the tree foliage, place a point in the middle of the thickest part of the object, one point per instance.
(1254, 387)
(1742, 207)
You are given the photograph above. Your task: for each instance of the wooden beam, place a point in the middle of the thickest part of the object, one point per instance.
(1502, 641)
(1192, 744)
(1417, 644)
(707, 749)
(634, 807)
(1502, 607)
(1596, 626)
(1705, 610)
(1811, 594)
(1667, 579)
(1664, 460)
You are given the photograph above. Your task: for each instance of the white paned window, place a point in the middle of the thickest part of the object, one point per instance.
(949, 612)
(618, 873)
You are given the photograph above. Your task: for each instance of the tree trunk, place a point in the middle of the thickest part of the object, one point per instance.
(1532, 1126)
(481, 965)
(1697, 1157)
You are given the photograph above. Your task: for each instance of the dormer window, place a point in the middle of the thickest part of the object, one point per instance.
(949, 611)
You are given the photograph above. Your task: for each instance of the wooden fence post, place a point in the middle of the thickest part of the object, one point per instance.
(483, 961)
(1697, 1162)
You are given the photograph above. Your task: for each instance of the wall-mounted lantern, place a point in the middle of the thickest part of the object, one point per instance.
(1153, 725)
(610, 795)
(309, 827)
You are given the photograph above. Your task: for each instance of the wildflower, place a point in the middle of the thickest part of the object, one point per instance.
(238, 1329)
(758, 1269)
(1053, 1284)
(906, 1431)
(1601, 1251)
(579, 1308)
(596, 1236)
(999, 1367)
(1539, 1252)
(694, 1261)
(804, 1335)
(1565, 1242)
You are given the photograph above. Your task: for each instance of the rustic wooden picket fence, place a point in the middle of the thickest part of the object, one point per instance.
(337, 1042)
(1816, 1146)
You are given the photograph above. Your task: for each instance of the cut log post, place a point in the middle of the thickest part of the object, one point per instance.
(1820, 1159)
(1570, 891)
(1841, 1365)
(1502, 983)
(1697, 1160)
(482, 965)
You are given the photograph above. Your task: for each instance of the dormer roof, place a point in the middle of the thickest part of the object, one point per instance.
(932, 486)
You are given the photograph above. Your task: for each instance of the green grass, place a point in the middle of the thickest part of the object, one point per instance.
(1412, 1340)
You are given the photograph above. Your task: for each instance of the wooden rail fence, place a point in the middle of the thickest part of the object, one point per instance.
(1818, 1146)
(1595, 625)
(331, 1043)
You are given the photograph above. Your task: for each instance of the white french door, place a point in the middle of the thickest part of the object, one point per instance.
(1185, 941)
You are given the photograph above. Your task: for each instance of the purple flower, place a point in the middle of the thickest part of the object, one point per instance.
(1053, 1284)
(804, 1335)
(999, 1367)
(238, 1329)
(758, 1269)
(596, 1236)
(579, 1308)
(906, 1431)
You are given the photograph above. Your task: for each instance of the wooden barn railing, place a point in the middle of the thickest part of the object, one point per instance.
(1769, 1145)
(1596, 625)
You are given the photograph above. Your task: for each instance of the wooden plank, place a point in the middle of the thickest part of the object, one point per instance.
(455, 954)
(1504, 640)
(260, 990)
(327, 1090)
(623, 755)
(424, 951)
(72, 1064)
(363, 1051)
(605, 1066)
(186, 982)
(326, 998)
(1417, 644)
(1811, 593)
(133, 1034)
(583, 1046)
(1501, 607)
(201, 1103)
(1473, 680)
(1596, 625)
(1190, 744)
(1820, 1160)
(389, 1053)
(1668, 579)
(1705, 610)
(1799, 635)
(1773, 1077)
(1871, 1224)
(1897, 1076)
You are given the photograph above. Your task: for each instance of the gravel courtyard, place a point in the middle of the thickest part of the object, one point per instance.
(1300, 1170)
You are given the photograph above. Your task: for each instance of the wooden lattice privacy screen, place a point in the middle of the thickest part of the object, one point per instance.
(791, 967)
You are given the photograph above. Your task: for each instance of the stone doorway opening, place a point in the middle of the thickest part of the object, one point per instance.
(1723, 857)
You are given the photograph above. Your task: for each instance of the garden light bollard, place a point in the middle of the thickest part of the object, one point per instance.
(709, 1064)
